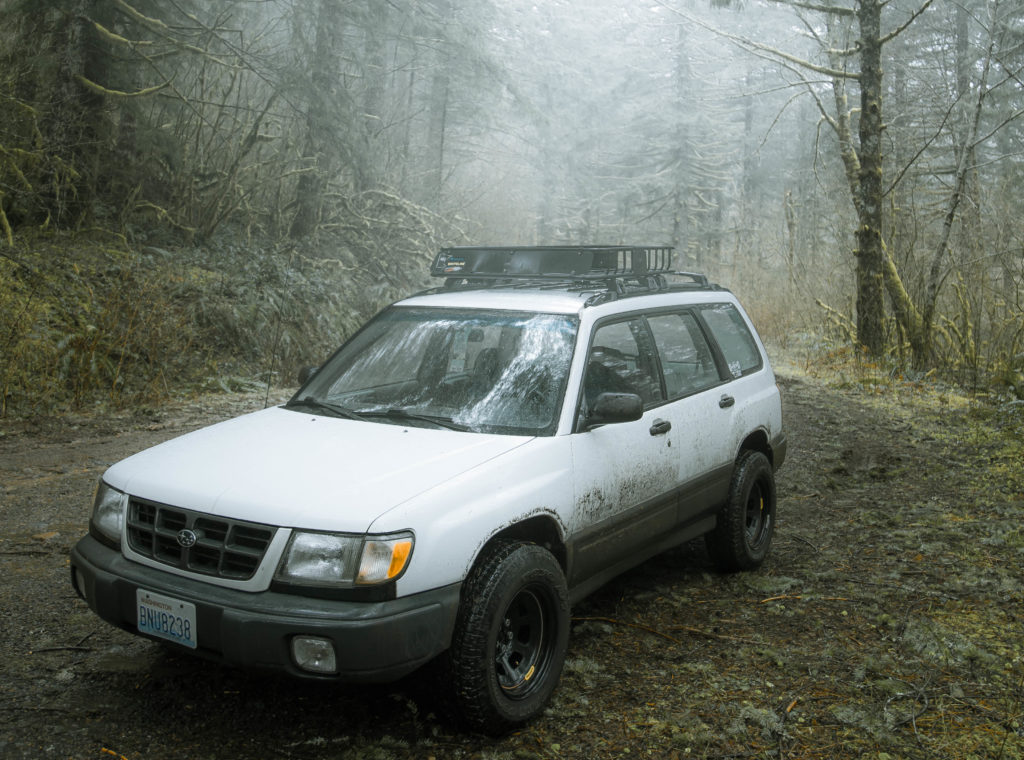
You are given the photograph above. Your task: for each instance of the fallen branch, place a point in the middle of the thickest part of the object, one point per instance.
(838, 320)
(804, 540)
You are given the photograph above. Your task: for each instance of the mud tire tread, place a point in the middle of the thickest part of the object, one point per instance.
(728, 544)
(474, 697)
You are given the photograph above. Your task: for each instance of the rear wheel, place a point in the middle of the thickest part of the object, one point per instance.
(510, 638)
(746, 523)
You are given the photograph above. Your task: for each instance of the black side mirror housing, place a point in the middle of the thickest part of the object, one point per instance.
(611, 408)
(305, 373)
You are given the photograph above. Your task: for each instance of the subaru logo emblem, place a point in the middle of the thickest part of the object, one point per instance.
(187, 539)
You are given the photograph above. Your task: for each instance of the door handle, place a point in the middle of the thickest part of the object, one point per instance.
(726, 401)
(660, 427)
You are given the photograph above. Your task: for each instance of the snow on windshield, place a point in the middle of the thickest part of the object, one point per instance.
(525, 389)
(491, 371)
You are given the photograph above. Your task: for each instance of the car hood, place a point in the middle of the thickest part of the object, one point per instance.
(287, 468)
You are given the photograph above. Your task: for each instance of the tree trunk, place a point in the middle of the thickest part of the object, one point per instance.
(437, 115)
(681, 181)
(311, 184)
(72, 127)
(870, 248)
(439, 92)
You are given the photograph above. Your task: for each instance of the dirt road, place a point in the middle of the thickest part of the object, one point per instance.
(889, 618)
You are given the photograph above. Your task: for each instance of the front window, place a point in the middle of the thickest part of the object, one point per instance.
(621, 361)
(483, 371)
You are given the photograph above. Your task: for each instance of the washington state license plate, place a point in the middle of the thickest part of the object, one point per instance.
(166, 618)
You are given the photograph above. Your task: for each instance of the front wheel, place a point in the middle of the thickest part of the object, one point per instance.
(746, 523)
(510, 637)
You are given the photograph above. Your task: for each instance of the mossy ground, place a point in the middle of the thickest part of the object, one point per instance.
(887, 623)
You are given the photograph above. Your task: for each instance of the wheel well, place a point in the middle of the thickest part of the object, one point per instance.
(758, 441)
(541, 530)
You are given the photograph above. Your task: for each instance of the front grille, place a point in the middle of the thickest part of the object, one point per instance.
(223, 548)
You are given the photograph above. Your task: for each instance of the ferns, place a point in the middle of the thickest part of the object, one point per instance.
(83, 323)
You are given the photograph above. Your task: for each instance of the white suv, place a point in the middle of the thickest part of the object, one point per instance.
(468, 465)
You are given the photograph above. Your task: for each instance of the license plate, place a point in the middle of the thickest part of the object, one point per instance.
(166, 618)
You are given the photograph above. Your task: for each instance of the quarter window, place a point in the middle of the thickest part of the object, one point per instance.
(733, 337)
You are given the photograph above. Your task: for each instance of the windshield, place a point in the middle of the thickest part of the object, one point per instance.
(484, 371)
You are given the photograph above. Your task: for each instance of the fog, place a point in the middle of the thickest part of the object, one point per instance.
(736, 133)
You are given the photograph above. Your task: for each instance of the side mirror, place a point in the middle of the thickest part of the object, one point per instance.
(610, 408)
(305, 373)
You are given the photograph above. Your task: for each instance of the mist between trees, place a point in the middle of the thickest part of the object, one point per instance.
(198, 193)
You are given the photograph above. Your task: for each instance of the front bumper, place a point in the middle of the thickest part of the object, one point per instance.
(373, 641)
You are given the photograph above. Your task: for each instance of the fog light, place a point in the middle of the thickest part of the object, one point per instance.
(314, 654)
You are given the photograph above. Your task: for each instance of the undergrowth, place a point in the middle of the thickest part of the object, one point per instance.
(86, 319)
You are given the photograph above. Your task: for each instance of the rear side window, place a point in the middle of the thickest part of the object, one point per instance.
(733, 337)
(686, 358)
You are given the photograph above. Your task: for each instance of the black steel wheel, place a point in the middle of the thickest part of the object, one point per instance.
(522, 643)
(746, 523)
(510, 637)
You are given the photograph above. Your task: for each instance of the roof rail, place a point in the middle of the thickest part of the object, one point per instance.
(611, 271)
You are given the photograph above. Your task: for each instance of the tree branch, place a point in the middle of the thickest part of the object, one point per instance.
(159, 27)
(834, 10)
(98, 88)
(899, 30)
(754, 47)
(924, 147)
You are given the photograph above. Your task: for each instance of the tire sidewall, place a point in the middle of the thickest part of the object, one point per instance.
(757, 471)
(728, 542)
(489, 591)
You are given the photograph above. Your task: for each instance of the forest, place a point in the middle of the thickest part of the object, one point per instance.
(199, 198)
(208, 194)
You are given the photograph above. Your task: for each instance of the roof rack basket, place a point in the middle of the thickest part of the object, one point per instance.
(616, 268)
(561, 262)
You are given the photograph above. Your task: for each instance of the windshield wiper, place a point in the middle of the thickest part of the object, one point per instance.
(395, 413)
(336, 409)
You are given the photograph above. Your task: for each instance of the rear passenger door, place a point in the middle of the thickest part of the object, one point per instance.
(749, 394)
(698, 410)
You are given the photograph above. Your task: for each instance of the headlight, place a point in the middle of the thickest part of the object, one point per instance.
(319, 559)
(336, 559)
(107, 514)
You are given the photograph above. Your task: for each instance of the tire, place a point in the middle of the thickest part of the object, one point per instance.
(510, 638)
(743, 536)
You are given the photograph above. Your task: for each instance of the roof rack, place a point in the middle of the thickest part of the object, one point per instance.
(610, 271)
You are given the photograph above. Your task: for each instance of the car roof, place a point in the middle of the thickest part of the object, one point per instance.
(526, 299)
(560, 301)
